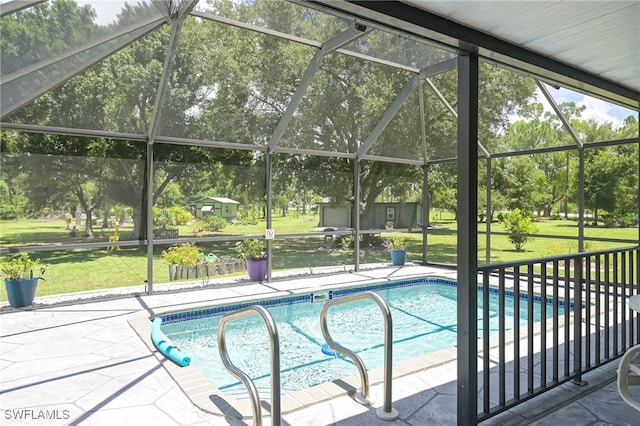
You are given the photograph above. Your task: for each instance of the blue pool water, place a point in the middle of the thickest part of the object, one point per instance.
(424, 320)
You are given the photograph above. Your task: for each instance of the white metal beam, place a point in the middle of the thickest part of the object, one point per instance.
(301, 40)
(399, 100)
(8, 109)
(559, 113)
(80, 49)
(164, 79)
(388, 115)
(454, 112)
(327, 47)
(16, 5)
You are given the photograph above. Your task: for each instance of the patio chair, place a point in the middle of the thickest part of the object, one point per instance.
(629, 375)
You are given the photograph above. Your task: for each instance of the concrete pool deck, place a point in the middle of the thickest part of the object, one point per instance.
(75, 361)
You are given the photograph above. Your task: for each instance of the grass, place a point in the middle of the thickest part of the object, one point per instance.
(95, 269)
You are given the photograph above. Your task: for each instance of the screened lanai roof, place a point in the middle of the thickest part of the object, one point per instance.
(587, 45)
(593, 48)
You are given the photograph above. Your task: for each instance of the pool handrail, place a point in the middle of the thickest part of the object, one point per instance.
(387, 412)
(274, 347)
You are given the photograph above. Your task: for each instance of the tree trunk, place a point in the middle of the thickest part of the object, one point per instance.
(88, 228)
(364, 218)
(428, 207)
(138, 223)
(16, 191)
(400, 215)
(78, 216)
(566, 189)
(88, 209)
(139, 214)
(105, 216)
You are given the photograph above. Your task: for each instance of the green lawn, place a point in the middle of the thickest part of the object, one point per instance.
(94, 269)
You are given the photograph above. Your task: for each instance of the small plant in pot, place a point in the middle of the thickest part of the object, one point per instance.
(20, 281)
(182, 254)
(186, 260)
(254, 252)
(396, 245)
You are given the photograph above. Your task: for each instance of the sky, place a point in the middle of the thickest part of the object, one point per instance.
(106, 10)
(597, 109)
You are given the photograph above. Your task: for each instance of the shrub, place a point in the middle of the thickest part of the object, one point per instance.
(161, 217)
(371, 240)
(19, 267)
(182, 254)
(518, 222)
(173, 216)
(200, 225)
(252, 249)
(346, 242)
(180, 216)
(627, 220)
(8, 212)
(248, 216)
(215, 223)
(395, 242)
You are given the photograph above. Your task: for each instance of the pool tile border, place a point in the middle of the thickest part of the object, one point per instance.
(310, 298)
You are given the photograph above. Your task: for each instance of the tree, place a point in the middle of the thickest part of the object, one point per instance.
(539, 181)
(11, 176)
(628, 202)
(602, 172)
(546, 181)
(518, 223)
(123, 89)
(232, 86)
(52, 172)
(610, 176)
(44, 30)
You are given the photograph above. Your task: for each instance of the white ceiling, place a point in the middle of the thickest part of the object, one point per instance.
(601, 37)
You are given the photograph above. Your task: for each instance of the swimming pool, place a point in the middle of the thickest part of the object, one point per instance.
(424, 320)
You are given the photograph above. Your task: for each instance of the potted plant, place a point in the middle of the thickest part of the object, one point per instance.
(396, 245)
(20, 281)
(186, 260)
(254, 252)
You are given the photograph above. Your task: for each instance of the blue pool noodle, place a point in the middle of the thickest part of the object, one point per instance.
(165, 347)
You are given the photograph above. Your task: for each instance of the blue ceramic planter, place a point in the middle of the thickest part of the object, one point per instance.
(21, 292)
(398, 257)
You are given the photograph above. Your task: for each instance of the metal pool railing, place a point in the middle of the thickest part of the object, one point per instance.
(596, 327)
(274, 345)
(386, 412)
